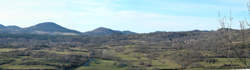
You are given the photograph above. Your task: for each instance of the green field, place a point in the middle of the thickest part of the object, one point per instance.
(101, 65)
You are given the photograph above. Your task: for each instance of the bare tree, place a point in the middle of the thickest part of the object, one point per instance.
(226, 32)
(243, 37)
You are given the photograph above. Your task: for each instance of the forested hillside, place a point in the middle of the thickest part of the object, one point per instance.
(148, 51)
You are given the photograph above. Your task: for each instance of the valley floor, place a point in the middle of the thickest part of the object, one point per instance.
(128, 61)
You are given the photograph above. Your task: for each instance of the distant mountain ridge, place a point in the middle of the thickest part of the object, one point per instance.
(106, 31)
(52, 28)
(13, 27)
(2, 26)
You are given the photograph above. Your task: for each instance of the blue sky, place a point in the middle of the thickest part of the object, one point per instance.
(134, 15)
